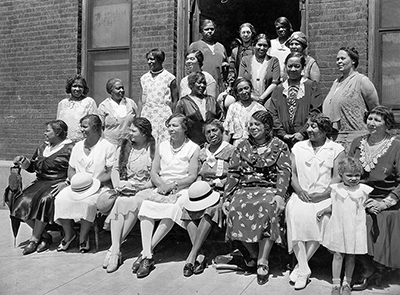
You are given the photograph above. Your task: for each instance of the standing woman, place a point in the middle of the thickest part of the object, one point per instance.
(78, 104)
(279, 49)
(159, 94)
(193, 63)
(298, 43)
(350, 97)
(198, 107)
(214, 52)
(36, 204)
(95, 156)
(114, 109)
(240, 112)
(261, 69)
(293, 100)
(247, 33)
(255, 192)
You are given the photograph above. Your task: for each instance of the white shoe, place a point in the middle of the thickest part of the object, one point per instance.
(294, 274)
(106, 259)
(302, 281)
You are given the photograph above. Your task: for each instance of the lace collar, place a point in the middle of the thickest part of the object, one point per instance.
(369, 156)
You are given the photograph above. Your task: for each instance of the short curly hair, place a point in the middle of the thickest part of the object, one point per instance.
(323, 122)
(59, 127)
(386, 114)
(157, 53)
(350, 164)
(193, 77)
(198, 54)
(353, 54)
(72, 79)
(185, 122)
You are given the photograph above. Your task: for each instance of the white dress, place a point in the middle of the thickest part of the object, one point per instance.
(102, 156)
(346, 230)
(173, 167)
(314, 172)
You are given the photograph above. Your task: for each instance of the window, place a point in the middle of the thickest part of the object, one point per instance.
(108, 39)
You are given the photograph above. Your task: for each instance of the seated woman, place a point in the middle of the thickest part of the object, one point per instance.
(198, 107)
(255, 192)
(240, 112)
(174, 169)
(293, 101)
(214, 159)
(298, 43)
(130, 174)
(193, 63)
(261, 69)
(379, 153)
(314, 169)
(35, 205)
(93, 155)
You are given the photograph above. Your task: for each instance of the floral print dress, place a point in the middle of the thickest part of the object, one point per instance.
(256, 174)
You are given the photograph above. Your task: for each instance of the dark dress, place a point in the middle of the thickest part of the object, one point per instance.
(255, 176)
(383, 230)
(189, 108)
(36, 202)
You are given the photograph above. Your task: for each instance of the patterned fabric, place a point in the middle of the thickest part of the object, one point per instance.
(157, 100)
(255, 176)
(291, 101)
(71, 111)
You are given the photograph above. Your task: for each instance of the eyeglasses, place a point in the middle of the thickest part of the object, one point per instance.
(247, 88)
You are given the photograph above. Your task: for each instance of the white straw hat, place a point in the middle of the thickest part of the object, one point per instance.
(83, 185)
(201, 196)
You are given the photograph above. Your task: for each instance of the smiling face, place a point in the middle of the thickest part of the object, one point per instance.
(77, 89)
(261, 47)
(351, 178)
(199, 87)
(135, 134)
(296, 46)
(153, 63)
(294, 68)
(257, 129)
(245, 34)
(243, 91)
(376, 125)
(314, 133)
(175, 129)
(213, 134)
(118, 91)
(191, 63)
(281, 30)
(208, 32)
(344, 62)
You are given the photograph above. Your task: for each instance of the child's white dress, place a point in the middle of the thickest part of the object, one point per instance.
(346, 230)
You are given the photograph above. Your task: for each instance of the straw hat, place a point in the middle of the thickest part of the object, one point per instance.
(201, 196)
(83, 185)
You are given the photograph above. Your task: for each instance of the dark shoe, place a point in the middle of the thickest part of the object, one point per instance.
(145, 268)
(262, 278)
(84, 246)
(30, 248)
(365, 282)
(199, 267)
(188, 270)
(136, 264)
(65, 245)
(250, 266)
(44, 243)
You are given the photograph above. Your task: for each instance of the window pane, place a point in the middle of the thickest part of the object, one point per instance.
(109, 23)
(390, 13)
(104, 66)
(390, 83)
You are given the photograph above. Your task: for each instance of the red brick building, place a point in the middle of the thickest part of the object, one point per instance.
(44, 42)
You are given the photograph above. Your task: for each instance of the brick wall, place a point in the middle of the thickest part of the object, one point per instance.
(153, 25)
(38, 51)
(333, 24)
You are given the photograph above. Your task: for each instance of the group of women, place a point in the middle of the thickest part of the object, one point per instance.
(270, 156)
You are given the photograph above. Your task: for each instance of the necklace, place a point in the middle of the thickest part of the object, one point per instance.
(134, 153)
(156, 72)
(178, 149)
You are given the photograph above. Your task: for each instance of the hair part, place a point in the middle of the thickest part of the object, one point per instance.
(262, 36)
(285, 22)
(72, 79)
(111, 83)
(240, 80)
(298, 55)
(250, 26)
(59, 127)
(350, 164)
(353, 54)
(198, 54)
(94, 122)
(183, 120)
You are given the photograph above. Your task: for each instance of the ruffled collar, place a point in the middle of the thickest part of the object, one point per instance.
(301, 91)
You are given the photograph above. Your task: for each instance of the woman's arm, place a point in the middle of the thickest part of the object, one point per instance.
(212, 87)
(369, 93)
(302, 194)
(115, 176)
(267, 92)
(315, 74)
(276, 76)
(174, 94)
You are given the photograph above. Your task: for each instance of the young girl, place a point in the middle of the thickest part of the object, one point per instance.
(346, 233)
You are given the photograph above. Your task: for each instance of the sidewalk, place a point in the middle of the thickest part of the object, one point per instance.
(72, 273)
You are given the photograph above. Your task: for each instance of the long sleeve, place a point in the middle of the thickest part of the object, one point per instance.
(233, 177)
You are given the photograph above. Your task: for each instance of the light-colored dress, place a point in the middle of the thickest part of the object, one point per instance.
(113, 115)
(173, 167)
(280, 51)
(184, 86)
(71, 111)
(314, 172)
(157, 102)
(237, 119)
(138, 173)
(100, 158)
(346, 230)
(346, 107)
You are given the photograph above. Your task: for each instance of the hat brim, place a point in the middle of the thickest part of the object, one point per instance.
(74, 196)
(211, 200)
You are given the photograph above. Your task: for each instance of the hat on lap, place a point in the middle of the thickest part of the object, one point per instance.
(83, 185)
(201, 196)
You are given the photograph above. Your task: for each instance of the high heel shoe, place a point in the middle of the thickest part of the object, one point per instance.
(375, 277)
(114, 262)
(199, 267)
(84, 246)
(65, 245)
(106, 259)
(262, 278)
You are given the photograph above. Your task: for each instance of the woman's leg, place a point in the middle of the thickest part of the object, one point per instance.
(85, 228)
(162, 230)
(146, 230)
(120, 228)
(265, 246)
(191, 228)
(38, 230)
(349, 268)
(203, 230)
(68, 226)
(337, 268)
(311, 248)
(299, 249)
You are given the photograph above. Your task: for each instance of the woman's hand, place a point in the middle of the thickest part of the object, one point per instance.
(374, 206)
(58, 187)
(320, 214)
(297, 137)
(280, 204)
(165, 189)
(304, 196)
(225, 207)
